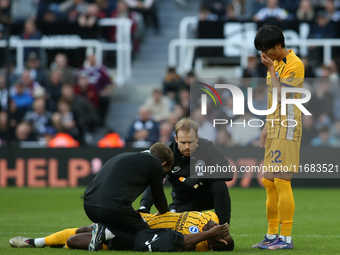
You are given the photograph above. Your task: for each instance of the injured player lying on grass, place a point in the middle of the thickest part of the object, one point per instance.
(188, 223)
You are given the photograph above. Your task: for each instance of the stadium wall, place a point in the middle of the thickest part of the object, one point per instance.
(77, 167)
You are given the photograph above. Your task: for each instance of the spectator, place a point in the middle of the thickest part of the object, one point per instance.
(39, 118)
(305, 12)
(244, 134)
(253, 70)
(174, 117)
(111, 140)
(333, 70)
(332, 13)
(3, 93)
(228, 108)
(190, 78)
(205, 14)
(158, 105)
(22, 98)
(61, 63)
(321, 102)
(30, 33)
(223, 138)
(23, 10)
(231, 14)
(71, 9)
(85, 89)
(260, 101)
(37, 73)
(171, 83)
(49, 17)
(123, 11)
(89, 19)
(308, 129)
(5, 12)
(144, 131)
(2, 50)
(53, 89)
(205, 128)
(105, 8)
(184, 101)
(336, 108)
(324, 138)
(290, 5)
(64, 120)
(3, 129)
(271, 11)
(216, 7)
(166, 133)
(322, 28)
(309, 72)
(335, 132)
(10, 72)
(86, 115)
(24, 133)
(148, 9)
(14, 118)
(99, 77)
(253, 6)
(30, 84)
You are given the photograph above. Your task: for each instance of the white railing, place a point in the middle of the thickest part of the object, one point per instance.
(238, 43)
(122, 46)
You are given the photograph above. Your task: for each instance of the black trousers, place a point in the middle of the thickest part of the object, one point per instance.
(126, 220)
(214, 195)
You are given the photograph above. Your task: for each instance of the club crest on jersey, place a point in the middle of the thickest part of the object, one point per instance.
(176, 169)
(193, 229)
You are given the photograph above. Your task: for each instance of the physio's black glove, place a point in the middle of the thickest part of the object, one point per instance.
(191, 182)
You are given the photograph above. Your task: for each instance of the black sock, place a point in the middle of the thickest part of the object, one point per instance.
(30, 241)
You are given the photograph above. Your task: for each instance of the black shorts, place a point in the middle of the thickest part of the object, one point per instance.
(127, 220)
(159, 239)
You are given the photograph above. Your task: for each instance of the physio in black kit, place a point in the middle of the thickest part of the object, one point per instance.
(109, 197)
(194, 194)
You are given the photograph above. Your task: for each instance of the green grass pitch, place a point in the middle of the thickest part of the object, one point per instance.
(34, 212)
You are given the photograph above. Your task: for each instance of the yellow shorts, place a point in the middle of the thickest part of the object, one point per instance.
(281, 155)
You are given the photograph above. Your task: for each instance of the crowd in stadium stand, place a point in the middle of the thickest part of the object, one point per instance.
(56, 100)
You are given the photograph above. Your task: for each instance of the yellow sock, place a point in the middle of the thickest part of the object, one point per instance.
(60, 237)
(271, 207)
(286, 205)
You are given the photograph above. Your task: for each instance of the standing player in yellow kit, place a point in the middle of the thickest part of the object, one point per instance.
(281, 140)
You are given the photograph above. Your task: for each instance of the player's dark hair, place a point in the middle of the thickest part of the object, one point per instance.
(268, 37)
(186, 124)
(218, 246)
(163, 152)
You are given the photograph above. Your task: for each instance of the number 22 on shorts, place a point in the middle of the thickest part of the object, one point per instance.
(275, 158)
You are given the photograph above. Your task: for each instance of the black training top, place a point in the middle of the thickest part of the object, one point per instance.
(206, 154)
(123, 178)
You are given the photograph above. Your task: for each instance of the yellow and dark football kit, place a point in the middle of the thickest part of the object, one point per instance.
(185, 223)
(282, 152)
(284, 131)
